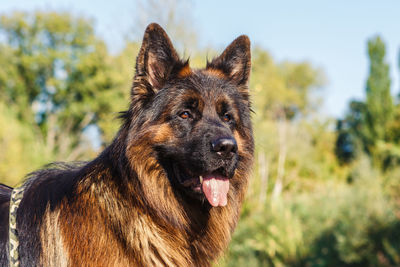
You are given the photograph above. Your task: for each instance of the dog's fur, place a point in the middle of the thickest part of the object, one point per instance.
(132, 206)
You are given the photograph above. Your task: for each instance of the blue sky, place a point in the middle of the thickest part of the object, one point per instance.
(329, 34)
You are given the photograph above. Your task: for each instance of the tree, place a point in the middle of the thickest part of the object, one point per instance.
(353, 135)
(57, 76)
(21, 151)
(379, 102)
(367, 124)
(174, 16)
(282, 92)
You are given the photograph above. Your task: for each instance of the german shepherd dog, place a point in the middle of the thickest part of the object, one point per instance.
(167, 191)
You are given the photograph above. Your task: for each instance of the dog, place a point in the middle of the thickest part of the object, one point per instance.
(169, 188)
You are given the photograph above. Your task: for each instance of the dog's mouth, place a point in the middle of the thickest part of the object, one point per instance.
(213, 186)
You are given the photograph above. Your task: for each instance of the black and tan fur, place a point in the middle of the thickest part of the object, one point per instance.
(128, 206)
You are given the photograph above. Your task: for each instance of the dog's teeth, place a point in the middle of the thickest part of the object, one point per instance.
(201, 179)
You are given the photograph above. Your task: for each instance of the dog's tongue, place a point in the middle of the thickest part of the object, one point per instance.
(215, 189)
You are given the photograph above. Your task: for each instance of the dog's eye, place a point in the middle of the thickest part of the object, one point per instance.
(185, 115)
(227, 117)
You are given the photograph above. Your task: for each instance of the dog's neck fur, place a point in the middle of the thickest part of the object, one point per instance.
(189, 233)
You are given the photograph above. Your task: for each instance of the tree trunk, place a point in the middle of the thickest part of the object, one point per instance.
(263, 165)
(282, 132)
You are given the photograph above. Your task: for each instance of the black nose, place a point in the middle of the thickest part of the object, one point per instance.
(225, 147)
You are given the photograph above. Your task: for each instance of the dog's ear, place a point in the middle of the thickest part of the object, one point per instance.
(157, 60)
(235, 61)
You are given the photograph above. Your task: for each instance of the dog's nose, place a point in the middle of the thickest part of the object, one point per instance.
(224, 147)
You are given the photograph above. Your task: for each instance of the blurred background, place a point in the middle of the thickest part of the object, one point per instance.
(325, 189)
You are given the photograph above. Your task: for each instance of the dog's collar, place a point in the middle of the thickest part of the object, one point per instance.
(13, 242)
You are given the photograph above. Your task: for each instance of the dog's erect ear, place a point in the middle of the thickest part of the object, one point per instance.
(235, 61)
(157, 59)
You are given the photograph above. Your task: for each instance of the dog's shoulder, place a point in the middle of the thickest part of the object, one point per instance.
(5, 194)
(44, 189)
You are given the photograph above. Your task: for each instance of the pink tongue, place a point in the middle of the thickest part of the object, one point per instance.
(216, 190)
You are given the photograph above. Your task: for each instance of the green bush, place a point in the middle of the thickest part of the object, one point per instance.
(21, 150)
(338, 224)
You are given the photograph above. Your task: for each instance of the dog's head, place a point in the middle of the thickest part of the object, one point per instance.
(191, 125)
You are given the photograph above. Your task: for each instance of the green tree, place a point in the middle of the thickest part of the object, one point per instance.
(21, 150)
(58, 76)
(283, 90)
(352, 134)
(175, 16)
(281, 93)
(379, 102)
(367, 126)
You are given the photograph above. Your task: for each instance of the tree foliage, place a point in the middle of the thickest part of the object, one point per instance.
(57, 75)
(370, 126)
(284, 89)
(379, 103)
